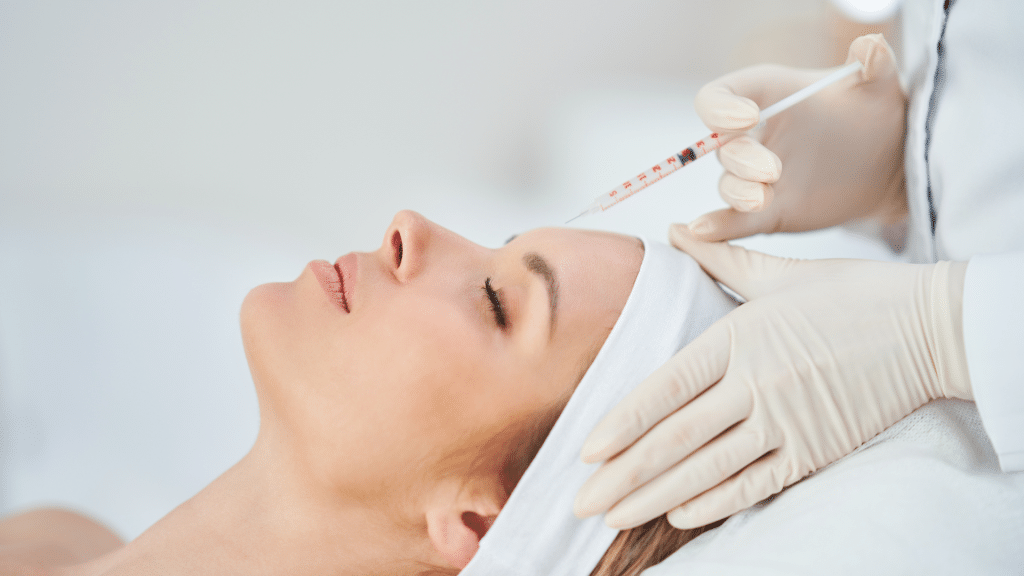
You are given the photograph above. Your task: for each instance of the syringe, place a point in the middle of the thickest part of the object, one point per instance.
(709, 143)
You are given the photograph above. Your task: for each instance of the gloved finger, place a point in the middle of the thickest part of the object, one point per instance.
(734, 101)
(744, 195)
(746, 272)
(665, 445)
(876, 56)
(754, 483)
(749, 160)
(703, 470)
(730, 224)
(723, 110)
(692, 370)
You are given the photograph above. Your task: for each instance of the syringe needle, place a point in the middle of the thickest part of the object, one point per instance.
(592, 209)
(581, 214)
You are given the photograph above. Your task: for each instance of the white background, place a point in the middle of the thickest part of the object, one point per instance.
(158, 159)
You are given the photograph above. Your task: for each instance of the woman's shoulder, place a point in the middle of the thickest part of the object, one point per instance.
(34, 542)
(17, 568)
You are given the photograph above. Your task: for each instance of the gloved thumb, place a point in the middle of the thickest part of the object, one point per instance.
(876, 56)
(750, 274)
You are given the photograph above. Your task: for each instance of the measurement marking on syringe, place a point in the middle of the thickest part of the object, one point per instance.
(655, 174)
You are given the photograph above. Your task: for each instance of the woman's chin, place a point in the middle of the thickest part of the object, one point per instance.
(263, 301)
(263, 321)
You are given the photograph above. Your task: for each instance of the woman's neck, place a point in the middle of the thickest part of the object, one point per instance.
(259, 517)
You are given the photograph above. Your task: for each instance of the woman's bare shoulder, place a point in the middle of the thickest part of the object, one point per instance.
(15, 568)
(33, 542)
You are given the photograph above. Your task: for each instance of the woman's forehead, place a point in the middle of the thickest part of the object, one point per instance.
(571, 237)
(593, 271)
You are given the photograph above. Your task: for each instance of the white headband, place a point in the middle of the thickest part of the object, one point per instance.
(536, 533)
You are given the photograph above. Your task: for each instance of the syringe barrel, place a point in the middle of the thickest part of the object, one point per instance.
(709, 144)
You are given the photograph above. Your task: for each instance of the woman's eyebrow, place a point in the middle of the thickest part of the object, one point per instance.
(538, 265)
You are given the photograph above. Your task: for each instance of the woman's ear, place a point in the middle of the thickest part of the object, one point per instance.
(459, 518)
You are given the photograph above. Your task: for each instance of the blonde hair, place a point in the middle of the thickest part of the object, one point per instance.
(637, 549)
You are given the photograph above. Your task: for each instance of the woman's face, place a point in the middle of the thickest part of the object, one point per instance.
(380, 367)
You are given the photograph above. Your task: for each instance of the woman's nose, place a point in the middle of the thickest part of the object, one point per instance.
(406, 242)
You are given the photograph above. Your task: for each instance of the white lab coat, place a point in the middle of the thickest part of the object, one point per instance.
(931, 495)
(975, 169)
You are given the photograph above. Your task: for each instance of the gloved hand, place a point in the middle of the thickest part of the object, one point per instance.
(836, 157)
(823, 355)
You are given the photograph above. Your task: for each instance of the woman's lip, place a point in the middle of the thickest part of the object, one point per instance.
(348, 270)
(331, 281)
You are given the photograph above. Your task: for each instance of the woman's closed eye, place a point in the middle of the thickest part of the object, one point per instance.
(500, 318)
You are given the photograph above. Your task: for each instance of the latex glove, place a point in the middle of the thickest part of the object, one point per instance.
(824, 355)
(836, 157)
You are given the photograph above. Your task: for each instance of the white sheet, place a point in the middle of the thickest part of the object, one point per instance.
(924, 497)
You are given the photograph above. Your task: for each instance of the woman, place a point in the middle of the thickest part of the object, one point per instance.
(402, 395)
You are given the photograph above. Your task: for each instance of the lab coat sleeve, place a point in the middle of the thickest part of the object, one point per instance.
(993, 315)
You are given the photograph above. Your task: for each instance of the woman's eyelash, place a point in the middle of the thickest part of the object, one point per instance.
(496, 307)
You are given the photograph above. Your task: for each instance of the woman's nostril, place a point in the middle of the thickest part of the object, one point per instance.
(396, 243)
